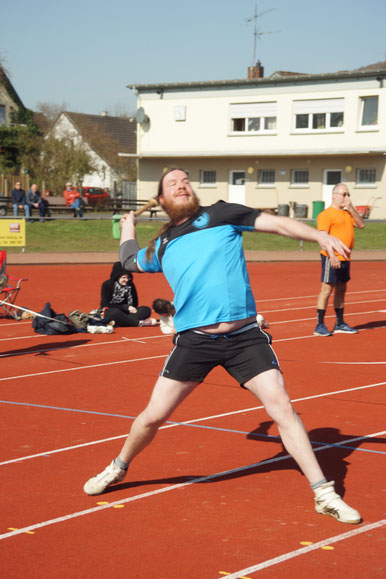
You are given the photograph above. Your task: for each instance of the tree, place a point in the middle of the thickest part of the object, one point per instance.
(19, 143)
(51, 110)
(61, 160)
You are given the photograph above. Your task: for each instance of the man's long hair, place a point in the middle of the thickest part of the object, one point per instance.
(150, 248)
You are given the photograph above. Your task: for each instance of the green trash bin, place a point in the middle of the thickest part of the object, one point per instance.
(116, 228)
(317, 207)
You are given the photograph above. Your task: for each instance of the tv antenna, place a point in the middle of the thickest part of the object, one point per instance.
(257, 33)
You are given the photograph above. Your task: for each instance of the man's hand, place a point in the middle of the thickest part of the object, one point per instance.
(358, 220)
(127, 219)
(127, 225)
(335, 263)
(331, 244)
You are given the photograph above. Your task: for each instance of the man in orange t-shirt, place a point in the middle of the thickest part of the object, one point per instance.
(73, 199)
(338, 220)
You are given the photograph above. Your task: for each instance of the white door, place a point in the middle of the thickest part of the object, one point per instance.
(236, 191)
(331, 177)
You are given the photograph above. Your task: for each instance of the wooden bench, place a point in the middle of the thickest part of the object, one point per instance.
(126, 205)
(55, 205)
(58, 205)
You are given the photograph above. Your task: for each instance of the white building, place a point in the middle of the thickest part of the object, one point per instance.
(267, 142)
(110, 142)
(10, 101)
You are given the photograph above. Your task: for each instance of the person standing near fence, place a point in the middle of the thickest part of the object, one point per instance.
(338, 220)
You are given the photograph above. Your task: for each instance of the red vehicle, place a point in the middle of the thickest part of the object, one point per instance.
(95, 195)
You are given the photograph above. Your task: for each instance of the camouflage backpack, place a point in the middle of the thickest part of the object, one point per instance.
(79, 319)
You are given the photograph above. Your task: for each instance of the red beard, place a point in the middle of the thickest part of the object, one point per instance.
(177, 212)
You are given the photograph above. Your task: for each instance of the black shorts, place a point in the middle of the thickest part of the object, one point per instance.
(333, 276)
(244, 353)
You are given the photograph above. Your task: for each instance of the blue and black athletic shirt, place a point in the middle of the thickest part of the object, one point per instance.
(203, 261)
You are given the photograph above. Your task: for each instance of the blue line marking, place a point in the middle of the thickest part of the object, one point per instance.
(336, 444)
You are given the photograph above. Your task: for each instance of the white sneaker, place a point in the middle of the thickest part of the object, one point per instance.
(147, 322)
(167, 325)
(328, 502)
(100, 329)
(99, 483)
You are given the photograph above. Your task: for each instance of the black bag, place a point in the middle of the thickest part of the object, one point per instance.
(59, 324)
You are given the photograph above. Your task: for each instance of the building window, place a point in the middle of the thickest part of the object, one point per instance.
(318, 114)
(266, 177)
(256, 118)
(207, 177)
(366, 176)
(300, 177)
(2, 115)
(238, 125)
(369, 111)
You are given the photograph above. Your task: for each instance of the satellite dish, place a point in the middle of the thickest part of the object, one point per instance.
(141, 116)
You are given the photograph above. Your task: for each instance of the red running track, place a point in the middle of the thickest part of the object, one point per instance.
(214, 495)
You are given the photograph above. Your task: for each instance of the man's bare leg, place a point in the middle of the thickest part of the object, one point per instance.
(269, 388)
(321, 306)
(166, 396)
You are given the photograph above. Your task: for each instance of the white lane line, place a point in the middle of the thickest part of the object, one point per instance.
(306, 550)
(86, 334)
(148, 494)
(192, 421)
(346, 303)
(276, 340)
(316, 295)
(147, 338)
(346, 315)
(351, 363)
(82, 367)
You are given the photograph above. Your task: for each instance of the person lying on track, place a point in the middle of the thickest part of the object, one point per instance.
(200, 253)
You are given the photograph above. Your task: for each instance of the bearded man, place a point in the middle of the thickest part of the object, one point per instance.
(200, 253)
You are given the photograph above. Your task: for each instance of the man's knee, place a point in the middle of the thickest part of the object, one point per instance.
(340, 288)
(326, 289)
(153, 418)
(281, 410)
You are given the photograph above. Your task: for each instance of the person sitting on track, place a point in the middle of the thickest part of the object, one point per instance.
(119, 300)
(200, 253)
(166, 310)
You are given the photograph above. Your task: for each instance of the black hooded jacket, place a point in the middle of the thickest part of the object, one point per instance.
(114, 294)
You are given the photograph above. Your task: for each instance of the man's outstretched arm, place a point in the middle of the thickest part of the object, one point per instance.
(294, 229)
(129, 247)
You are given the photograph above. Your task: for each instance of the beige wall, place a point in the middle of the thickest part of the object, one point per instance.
(207, 125)
(282, 192)
(9, 104)
(204, 140)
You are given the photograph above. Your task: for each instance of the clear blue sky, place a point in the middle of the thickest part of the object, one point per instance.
(85, 52)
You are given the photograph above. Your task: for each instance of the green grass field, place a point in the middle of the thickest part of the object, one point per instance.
(96, 235)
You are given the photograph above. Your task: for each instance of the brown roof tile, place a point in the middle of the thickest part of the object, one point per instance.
(107, 135)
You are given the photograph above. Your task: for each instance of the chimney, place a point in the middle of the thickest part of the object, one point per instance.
(256, 71)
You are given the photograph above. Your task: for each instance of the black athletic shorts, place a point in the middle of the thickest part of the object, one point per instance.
(333, 276)
(244, 353)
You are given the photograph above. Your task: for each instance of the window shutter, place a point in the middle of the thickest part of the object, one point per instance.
(248, 110)
(318, 106)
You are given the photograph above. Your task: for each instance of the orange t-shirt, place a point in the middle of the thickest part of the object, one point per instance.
(340, 224)
(70, 196)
